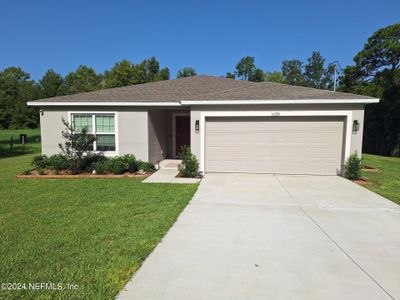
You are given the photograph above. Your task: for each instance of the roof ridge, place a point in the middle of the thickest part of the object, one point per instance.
(228, 90)
(305, 87)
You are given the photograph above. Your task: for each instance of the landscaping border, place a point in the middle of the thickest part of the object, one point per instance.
(78, 176)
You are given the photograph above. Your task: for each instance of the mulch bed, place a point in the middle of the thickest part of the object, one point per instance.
(84, 175)
(367, 168)
(362, 181)
(179, 175)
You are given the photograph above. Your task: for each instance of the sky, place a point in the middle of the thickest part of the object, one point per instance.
(209, 35)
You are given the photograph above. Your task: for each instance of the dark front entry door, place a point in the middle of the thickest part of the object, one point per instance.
(182, 129)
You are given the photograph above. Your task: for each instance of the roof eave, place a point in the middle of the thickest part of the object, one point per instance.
(100, 103)
(204, 102)
(280, 101)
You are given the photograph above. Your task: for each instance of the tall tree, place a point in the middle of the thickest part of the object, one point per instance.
(257, 76)
(245, 68)
(121, 74)
(163, 74)
(292, 70)
(186, 72)
(84, 79)
(16, 89)
(275, 77)
(314, 71)
(377, 73)
(51, 84)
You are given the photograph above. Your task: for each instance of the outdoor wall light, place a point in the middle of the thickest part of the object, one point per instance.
(197, 126)
(356, 126)
(41, 112)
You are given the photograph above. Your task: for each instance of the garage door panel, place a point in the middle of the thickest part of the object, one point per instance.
(292, 145)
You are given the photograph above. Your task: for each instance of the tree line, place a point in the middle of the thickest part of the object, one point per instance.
(375, 73)
(314, 73)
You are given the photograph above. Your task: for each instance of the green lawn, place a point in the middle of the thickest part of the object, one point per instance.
(386, 181)
(33, 145)
(94, 233)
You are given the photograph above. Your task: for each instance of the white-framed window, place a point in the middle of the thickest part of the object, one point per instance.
(101, 125)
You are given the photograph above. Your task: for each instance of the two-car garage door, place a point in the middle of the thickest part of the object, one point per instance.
(286, 145)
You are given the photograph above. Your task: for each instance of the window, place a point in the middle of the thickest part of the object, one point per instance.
(101, 125)
(105, 142)
(80, 121)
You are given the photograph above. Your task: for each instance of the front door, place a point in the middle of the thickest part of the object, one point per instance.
(182, 132)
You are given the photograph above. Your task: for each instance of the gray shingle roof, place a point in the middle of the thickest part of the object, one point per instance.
(277, 91)
(202, 88)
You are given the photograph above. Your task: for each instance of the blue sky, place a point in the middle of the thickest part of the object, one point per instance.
(210, 36)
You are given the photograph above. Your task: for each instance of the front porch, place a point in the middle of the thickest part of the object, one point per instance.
(168, 131)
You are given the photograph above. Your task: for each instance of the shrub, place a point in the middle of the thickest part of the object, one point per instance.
(145, 166)
(101, 167)
(27, 171)
(58, 162)
(40, 162)
(190, 165)
(352, 168)
(76, 146)
(40, 171)
(117, 165)
(129, 159)
(89, 161)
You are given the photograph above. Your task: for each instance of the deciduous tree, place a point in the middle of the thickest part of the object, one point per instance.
(84, 79)
(52, 84)
(186, 72)
(292, 70)
(245, 68)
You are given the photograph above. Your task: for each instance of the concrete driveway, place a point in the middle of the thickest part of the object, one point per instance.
(276, 237)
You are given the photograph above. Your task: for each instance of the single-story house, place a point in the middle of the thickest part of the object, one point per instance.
(230, 125)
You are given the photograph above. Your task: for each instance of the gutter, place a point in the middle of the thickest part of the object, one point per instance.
(299, 101)
(207, 102)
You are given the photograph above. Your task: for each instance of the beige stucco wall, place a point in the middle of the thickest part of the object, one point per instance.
(158, 135)
(357, 112)
(50, 130)
(131, 130)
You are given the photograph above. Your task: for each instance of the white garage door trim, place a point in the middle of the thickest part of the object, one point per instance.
(345, 113)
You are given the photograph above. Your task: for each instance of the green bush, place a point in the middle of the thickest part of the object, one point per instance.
(58, 162)
(40, 162)
(117, 165)
(352, 168)
(40, 171)
(145, 166)
(190, 165)
(129, 159)
(27, 171)
(101, 167)
(89, 161)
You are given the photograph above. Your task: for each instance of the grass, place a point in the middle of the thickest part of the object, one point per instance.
(33, 145)
(93, 233)
(386, 181)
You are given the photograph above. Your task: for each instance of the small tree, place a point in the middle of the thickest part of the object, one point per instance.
(352, 168)
(76, 145)
(190, 165)
(186, 72)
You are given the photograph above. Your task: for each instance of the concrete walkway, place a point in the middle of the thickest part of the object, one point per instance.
(167, 173)
(276, 237)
